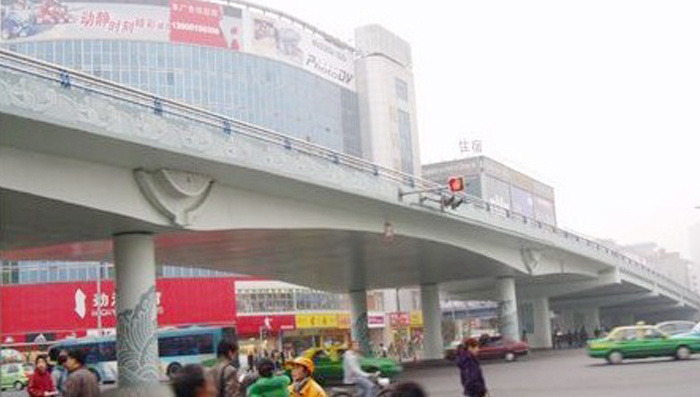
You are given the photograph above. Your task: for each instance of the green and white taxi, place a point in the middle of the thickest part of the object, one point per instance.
(642, 341)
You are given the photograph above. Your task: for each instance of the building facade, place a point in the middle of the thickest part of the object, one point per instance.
(242, 61)
(499, 185)
(58, 300)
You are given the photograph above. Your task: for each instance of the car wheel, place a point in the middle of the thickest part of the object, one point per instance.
(19, 385)
(615, 358)
(510, 357)
(682, 353)
(173, 370)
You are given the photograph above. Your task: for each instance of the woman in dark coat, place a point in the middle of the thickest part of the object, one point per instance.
(470, 370)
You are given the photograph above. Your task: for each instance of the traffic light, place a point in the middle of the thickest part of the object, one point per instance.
(456, 184)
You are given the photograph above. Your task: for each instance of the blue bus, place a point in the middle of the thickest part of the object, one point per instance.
(176, 348)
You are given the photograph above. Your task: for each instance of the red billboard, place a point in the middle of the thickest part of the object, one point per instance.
(73, 307)
(251, 325)
(205, 23)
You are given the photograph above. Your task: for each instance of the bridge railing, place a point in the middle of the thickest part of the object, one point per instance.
(71, 79)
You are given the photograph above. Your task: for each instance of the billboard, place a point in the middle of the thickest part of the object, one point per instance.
(195, 22)
(292, 44)
(75, 306)
(204, 23)
(252, 325)
(317, 320)
(27, 20)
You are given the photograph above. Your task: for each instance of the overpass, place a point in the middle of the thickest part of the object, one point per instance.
(92, 170)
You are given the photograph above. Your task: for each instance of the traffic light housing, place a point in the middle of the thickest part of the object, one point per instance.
(451, 201)
(456, 184)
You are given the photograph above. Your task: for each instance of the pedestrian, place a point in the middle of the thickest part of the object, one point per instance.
(41, 383)
(81, 382)
(383, 351)
(225, 372)
(193, 381)
(303, 385)
(59, 372)
(251, 361)
(523, 338)
(583, 336)
(470, 370)
(408, 389)
(269, 385)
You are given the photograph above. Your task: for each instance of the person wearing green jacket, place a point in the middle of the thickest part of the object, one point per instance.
(269, 385)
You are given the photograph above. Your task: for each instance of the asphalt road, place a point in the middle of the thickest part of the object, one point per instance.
(572, 374)
(564, 373)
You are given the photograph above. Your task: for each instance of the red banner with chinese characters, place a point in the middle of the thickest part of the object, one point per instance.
(204, 23)
(62, 307)
(251, 325)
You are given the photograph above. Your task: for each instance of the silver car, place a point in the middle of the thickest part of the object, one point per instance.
(676, 327)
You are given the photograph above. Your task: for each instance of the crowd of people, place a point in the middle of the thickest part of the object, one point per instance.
(71, 378)
(223, 380)
(573, 339)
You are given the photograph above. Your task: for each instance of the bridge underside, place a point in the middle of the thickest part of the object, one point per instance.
(333, 260)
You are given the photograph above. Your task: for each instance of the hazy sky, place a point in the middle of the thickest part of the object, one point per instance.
(600, 99)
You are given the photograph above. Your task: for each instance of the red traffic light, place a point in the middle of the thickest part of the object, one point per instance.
(456, 184)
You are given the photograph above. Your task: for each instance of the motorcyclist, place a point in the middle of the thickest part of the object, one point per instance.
(353, 373)
(303, 385)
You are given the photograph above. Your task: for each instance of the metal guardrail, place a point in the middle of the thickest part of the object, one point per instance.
(69, 79)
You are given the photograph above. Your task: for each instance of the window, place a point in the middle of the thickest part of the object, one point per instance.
(401, 89)
(405, 141)
(651, 333)
(186, 345)
(108, 351)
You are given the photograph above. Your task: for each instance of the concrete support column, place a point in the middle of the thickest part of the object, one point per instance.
(542, 338)
(432, 322)
(505, 287)
(358, 316)
(137, 311)
(591, 319)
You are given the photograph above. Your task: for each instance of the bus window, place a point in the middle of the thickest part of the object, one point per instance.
(108, 351)
(229, 334)
(186, 345)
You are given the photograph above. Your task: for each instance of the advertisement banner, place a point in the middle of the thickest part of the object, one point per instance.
(74, 306)
(179, 21)
(28, 20)
(399, 320)
(344, 321)
(317, 320)
(417, 319)
(375, 321)
(290, 43)
(204, 23)
(251, 325)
